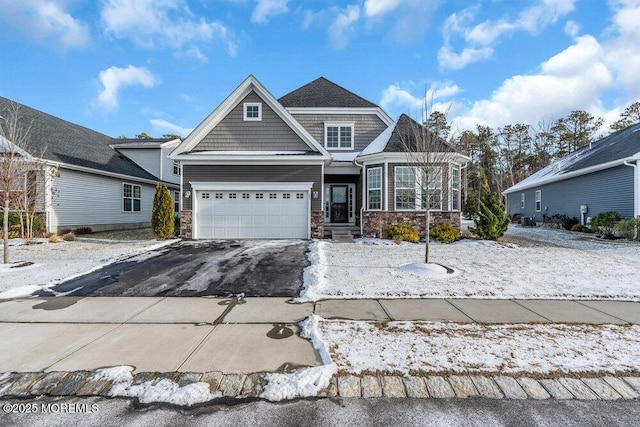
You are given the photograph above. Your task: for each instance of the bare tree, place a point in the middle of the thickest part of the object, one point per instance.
(15, 163)
(427, 155)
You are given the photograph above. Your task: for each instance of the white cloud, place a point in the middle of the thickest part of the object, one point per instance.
(447, 58)
(114, 78)
(168, 127)
(341, 28)
(162, 23)
(267, 8)
(573, 79)
(46, 21)
(572, 28)
(481, 38)
(374, 8)
(397, 98)
(622, 49)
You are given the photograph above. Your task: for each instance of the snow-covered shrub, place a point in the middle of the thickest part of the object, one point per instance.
(402, 231)
(445, 233)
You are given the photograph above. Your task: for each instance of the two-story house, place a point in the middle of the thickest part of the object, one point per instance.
(318, 157)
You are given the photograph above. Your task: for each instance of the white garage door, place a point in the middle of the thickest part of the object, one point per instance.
(247, 214)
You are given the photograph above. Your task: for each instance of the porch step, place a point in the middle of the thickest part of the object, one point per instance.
(341, 235)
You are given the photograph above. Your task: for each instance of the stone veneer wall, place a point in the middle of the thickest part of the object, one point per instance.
(185, 224)
(317, 225)
(374, 222)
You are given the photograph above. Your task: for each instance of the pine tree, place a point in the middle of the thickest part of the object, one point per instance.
(162, 213)
(492, 220)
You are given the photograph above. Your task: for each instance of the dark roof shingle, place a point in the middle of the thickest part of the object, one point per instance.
(322, 93)
(61, 141)
(404, 138)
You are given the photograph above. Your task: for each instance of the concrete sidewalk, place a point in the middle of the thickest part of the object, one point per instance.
(231, 335)
(53, 346)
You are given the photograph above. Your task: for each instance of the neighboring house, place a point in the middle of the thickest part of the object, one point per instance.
(85, 181)
(318, 158)
(600, 177)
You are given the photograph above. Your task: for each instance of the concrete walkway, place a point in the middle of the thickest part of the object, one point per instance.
(59, 341)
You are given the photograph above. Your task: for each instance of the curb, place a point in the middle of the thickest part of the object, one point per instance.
(84, 384)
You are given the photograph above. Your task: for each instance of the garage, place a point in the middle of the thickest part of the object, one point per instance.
(244, 212)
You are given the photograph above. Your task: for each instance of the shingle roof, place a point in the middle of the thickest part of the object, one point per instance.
(61, 141)
(322, 93)
(615, 147)
(402, 137)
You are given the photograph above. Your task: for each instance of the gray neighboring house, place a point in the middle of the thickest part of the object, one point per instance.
(88, 179)
(314, 160)
(600, 177)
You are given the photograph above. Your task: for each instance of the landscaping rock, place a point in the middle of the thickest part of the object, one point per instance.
(349, 386)
(371, 387)
(578, 388)
(556, 390)
(462, 386)
(624, 389)
(533, 388)
(71, 383)
(439, 387)
(487, 387)
(416, 387)
(510, 387)
(393, 386)
(601, 388)
(231, 384)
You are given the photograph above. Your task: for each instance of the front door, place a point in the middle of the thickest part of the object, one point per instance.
(338, 208)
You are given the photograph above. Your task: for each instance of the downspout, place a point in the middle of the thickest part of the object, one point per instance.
(636, 189)
(355, 162)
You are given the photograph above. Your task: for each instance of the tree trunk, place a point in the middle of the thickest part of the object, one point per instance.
(426, 238)
(5, 228)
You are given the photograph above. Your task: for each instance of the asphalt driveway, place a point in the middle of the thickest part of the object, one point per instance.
(199, 268)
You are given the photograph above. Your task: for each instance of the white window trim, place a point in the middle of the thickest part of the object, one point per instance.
(418, 189)
(522, 198)
(176, 166)
(176, 200)
(451, 189)
(251, 104)
(379, 169)
(538, 200)
(133, 186)
(340, 125)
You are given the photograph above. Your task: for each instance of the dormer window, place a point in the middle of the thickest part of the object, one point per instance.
(252, 111)
(338, 136)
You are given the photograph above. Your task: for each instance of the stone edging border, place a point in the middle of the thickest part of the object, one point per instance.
(83, 383)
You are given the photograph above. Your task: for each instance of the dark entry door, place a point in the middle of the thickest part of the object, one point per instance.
(339, 203)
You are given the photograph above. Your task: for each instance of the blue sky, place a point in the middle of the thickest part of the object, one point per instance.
(123, 67)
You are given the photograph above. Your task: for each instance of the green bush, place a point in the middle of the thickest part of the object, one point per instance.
(492, 220)
(402, 231)
(14, 224)
(604, 222)
(162, 220)
(628, 228)
(445, 233)
(470, 208)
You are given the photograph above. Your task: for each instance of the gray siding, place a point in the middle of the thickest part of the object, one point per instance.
(83, 199)
(607, 190)
(366, 127)
(269, 134)
(255, 173)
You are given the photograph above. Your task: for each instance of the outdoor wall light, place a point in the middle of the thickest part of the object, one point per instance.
(315, 194)
(187, 194)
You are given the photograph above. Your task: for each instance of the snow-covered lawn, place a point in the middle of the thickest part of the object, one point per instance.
(51, 263)
(556, 264)
(444, 348)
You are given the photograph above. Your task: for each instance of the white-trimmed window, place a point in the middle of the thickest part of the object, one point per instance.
(176, 201)
(455, 189)
(522, 201)
(417, 188)
(538, 200)
(338, 136)
(176, 168)
(374, 188)
(252, 111)
(131, 197)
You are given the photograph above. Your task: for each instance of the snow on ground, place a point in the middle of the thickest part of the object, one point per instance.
(162, 390)
(442, 348)
(561, 265)
(52, 263)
